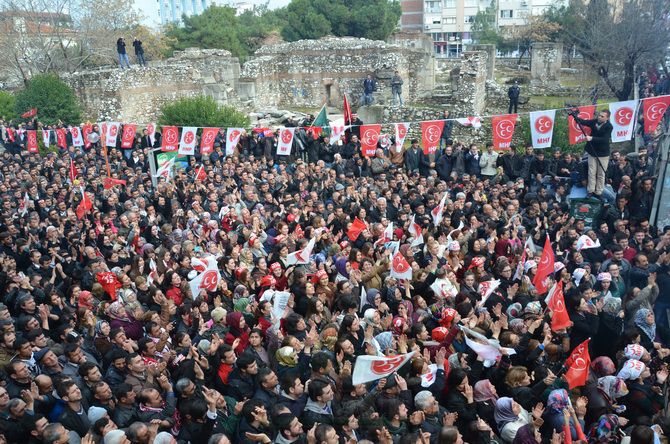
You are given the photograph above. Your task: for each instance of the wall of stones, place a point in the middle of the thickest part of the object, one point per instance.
(136, 95)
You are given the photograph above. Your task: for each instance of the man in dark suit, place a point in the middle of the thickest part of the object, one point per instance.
(598, 150)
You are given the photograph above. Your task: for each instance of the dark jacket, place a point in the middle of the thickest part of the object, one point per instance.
(120, 46)
(599, 146)
(137, 44)
(412, 159)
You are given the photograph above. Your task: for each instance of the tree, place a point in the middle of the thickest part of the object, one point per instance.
(536, 29)
(615, 38)
(157, 45)
(304, 21)
(7, 105)
(201, 111)
(53, 99)
(484, 27)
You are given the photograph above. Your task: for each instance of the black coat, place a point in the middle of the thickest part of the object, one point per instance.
(599, 146)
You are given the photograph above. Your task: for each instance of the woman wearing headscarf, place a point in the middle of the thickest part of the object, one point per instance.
(607, 429)
(290, 360)
(602, 397)
(485, 398)
(645, 396)
(120, 318)
(101, 340)
(611, 326)
(554, 420)
(646, 324)
(238, 329)
(510, 417)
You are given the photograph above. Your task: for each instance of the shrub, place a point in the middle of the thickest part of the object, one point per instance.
(53, 99)
(201, 111)
(7, 105)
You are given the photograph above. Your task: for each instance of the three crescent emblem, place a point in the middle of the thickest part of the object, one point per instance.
(286, 136)
(208, 138)
(233, 136)
(432, 133)
(386, 366)
(113, 129)
(623, 116)
(189, 137)
(171, 135)
(656, 111)
(543, 124)
(504, 128)
(370, 137)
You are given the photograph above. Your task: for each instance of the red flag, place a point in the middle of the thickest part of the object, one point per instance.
(201, 174)
(430, 135)
(170, 140)
(128, 136)
(369, 139)
(31, 113)
(347, 112)
(110, 182)
(207, 140)
(73, 171)
(84, 206)
(85, 131)
(32, 141)
(357, 227)
(556, 303)
(545, 268)
(11, 134)
(400, 268)
(654, 109)
(503, 130)
(575, 135)
(578, 365)
(110, 283)
(61, 139)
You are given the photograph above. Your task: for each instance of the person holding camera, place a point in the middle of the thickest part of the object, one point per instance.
(598, 150)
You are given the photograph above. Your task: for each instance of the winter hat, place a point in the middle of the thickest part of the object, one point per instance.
(632, 369)
(578, 274)
(95, 413)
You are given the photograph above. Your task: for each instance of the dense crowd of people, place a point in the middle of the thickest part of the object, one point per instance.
(103, 341)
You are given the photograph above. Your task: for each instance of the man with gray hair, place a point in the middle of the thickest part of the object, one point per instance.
(55, 433)
(435, 416)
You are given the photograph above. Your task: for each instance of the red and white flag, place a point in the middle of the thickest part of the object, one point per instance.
(200, 174)
(416, 231)
(370, 368)
(356, 228)
(285, 142)
(153, 273)
(438, 211)
(431, 132)
(23, 207)
(73, 171)
(401, 130)
(110, 283)
(201, 264)
(85, 206)
(207, 140)
(387, 235)
(46, 138)
(112, 133)
(556, 303)
(110, 182)
(170, 138)
(337, 129)
(427, 379)
(542, 127)
(654, 109)
(11, 134)
(61, 139)
(31, 141)
(487, 288)
(578, 364)
(128, 136)
(77, 139)
(623, 120)
(301, 256)
(503, 130)
(474, 122)
(165, 171)
(207, 280)
(369, 139)
(575, 134)
(151, 132)
(188, 140)
(544, 269)
(400, 268)
(85, 131)
(585, 242)
(232, 139)
(347, 111)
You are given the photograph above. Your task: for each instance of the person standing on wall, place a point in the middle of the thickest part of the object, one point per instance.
(139, 51)
(369, 87)
(121, 50)
(598, 150)
(513, 93)
(396, 89)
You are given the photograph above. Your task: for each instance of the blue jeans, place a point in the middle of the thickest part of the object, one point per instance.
(140, 59)
(397, 98)
(124, 58)
(367, 99)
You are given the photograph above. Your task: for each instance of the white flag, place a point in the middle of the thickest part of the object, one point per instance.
(232, 139)
(153, 273)
(401, 130)
(370, 368)
(443, 288)
(486, 288)
(585, 242)
(487, 349)
(301, 256)
(364, 299)
(427, 379)
(46, 137)
(166, 170)
(474, 122)
(542, 127)
(24, 204)
(207, 280)
(200, 264)
(77, 139)
(623, 120)
(337, 129)
(400, 268)
(438, 211)
(112, 132)
(285, 142)
(415, 230)
(387, 235)
(187, 142)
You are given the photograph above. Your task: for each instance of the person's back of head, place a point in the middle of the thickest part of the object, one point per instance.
(448, 435)
(642, 434)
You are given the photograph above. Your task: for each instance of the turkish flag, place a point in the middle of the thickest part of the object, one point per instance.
(578, 364)
(430, 135)
(347, 112)
(11, 134)
(357, 227)
(61, 140)
(128, 136)
(73, 171)
(575, 135)
(31, 143)
(170, 139)
(416, 232)
(369, 139)
(84, 206)
(207, 140)
(503, 130)
(110, 283)
(85, 131)
(653, 110)
(486, 288)
(30, 113)
(201, 174)
(545, 268)
(400, 268)
(109, 182)
(370, 368)
(556, 303)
(387, 235)
(301, 256)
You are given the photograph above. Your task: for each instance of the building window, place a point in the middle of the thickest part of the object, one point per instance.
(449, 21)
(434, 7)
(469, 19)
(506, 13)
(449, 3)
(471, 3)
